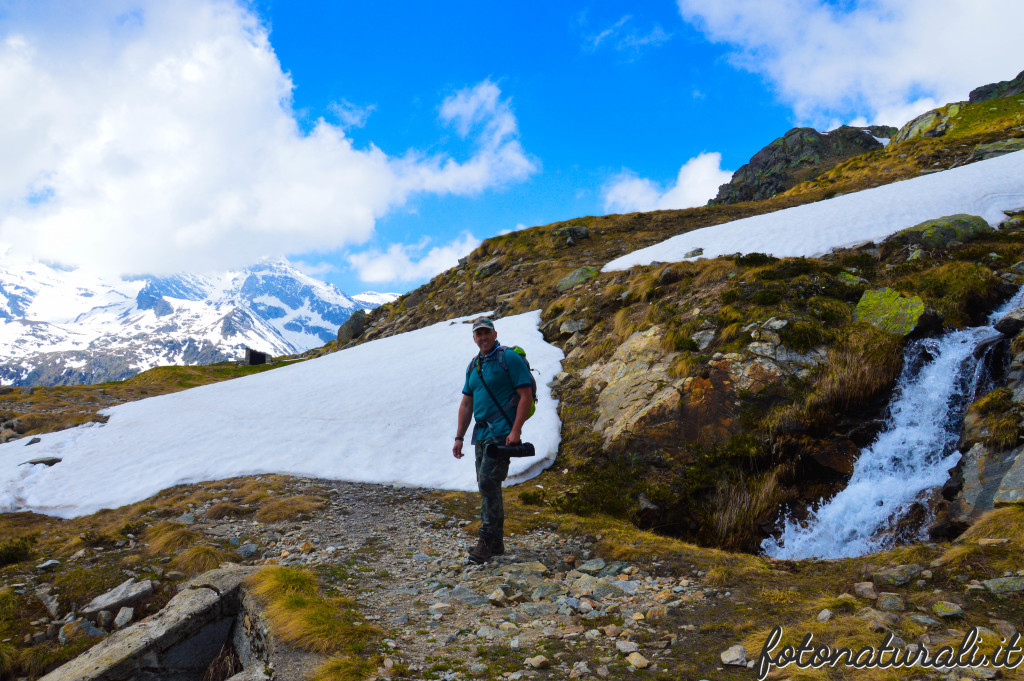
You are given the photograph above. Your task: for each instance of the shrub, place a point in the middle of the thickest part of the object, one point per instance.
(16, 550)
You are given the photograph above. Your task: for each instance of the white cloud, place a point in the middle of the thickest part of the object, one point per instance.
(888, 60)
(158, 137)
(623, 37)
(696, 184)
(404, 262)
(351, 115)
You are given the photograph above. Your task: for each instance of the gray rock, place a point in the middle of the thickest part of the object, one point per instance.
(353, 327)
(896, 576)
(104, 618)
(1005, 585)
(923, 620)
(947, 610)
(48, 565)
(49, 600)
(468, 596)
(694, 253)
(127, 593)
(735, 656)
(490, 267)
(247, 551)
(890, 602)
(44, 460)
(79, 628)
(124, 617)
(1011, 323)
(592, 566)
(576, 277)
(627, 647)
(186, 518)
(547, 591)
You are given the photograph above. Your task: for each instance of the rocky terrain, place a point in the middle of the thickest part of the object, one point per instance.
(581, 599)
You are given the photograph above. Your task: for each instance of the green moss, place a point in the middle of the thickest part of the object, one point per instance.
(889, 311)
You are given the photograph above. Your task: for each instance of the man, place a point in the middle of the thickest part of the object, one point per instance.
(510, 387)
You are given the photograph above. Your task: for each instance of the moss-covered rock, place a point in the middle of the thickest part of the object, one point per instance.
(889, 311)
(576, 277)
(941, 232)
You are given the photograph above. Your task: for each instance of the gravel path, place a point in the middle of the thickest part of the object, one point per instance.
(546, 609)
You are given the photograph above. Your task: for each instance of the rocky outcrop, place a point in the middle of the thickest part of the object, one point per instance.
(638, 392)
(890, 311)
(1005, 88)
(799, 155)
(941, 232)
(934, 123)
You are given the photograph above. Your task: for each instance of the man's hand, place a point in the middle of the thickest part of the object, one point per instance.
(514, 437)
(457, 449)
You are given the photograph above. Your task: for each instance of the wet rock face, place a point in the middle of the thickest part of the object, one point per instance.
(800, 154)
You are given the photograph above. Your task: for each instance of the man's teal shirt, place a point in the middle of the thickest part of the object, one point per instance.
(489, 421)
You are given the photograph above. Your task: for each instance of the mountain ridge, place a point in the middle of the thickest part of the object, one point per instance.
(64, 327)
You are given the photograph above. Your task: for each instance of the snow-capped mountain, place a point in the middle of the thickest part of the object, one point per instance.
(61, 326)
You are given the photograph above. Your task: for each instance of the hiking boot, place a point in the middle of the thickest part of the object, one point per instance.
(497, 547)
(481, 552)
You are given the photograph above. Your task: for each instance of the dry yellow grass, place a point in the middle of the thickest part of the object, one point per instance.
(276, 510)
(167, 537)
(199, 559)
(300, 615)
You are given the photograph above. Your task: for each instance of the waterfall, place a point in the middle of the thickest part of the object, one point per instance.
(913, 452)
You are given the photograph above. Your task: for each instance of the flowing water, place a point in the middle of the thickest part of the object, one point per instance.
(912, 454)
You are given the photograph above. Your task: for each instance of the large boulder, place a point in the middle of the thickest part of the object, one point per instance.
(941, 232)
(353, 327)
(934, 123)
(890, 311)
(799, 155)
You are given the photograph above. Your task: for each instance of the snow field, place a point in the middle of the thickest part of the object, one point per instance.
(985, 188)
(382, 412)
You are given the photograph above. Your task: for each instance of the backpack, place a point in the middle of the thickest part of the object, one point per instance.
(501, 360)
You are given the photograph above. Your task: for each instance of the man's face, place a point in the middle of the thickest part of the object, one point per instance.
(484, 339)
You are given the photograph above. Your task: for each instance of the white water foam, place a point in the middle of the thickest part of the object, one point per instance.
(913, 453)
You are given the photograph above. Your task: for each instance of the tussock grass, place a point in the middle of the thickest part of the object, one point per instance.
(346, 668)
(166, 538)
(225, 509)
(277, 510)
(715, 271)
(199, 559)
(860, 368)
(738, 506)
(966, 555)
(300, 615)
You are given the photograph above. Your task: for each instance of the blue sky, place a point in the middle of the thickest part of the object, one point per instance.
(375, 143)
